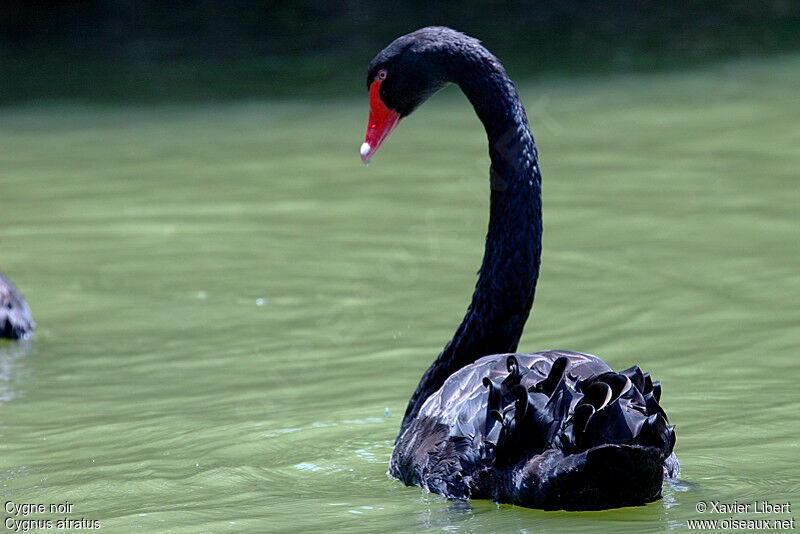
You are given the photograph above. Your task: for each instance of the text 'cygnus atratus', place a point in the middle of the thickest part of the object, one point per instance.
(552, 429)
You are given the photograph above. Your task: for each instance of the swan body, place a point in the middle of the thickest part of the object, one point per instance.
(15, 316)
(553, 429)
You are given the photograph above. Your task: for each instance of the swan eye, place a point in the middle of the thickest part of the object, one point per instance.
(382, 74)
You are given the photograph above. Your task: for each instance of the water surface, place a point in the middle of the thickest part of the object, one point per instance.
(232, 311)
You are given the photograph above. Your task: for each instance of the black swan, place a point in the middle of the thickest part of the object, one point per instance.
(552, 429)
(15, 316)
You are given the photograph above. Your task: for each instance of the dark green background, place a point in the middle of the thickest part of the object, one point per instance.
(197, 50)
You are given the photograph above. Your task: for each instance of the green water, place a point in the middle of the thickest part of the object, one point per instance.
(232, 311)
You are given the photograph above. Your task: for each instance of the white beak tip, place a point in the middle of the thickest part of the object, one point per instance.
(365, 155)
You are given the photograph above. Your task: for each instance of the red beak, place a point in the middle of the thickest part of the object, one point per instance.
(382, 121)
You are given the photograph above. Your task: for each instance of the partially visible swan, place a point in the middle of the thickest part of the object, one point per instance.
(551, 429)
(15, 316)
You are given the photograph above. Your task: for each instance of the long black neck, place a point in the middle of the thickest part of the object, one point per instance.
(504, 293)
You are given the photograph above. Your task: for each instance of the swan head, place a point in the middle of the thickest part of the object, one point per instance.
(404, 75)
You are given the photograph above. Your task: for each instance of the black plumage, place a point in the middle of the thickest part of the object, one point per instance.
(15, 316)
(551, 429)
(535, 445)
